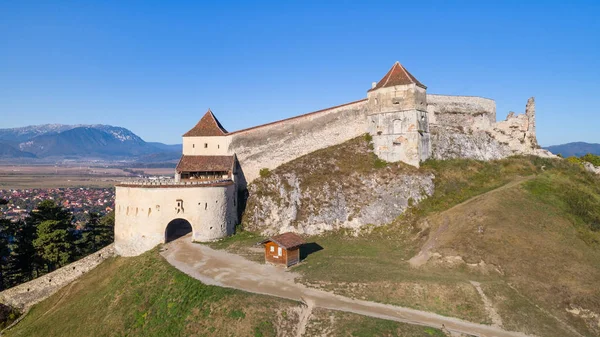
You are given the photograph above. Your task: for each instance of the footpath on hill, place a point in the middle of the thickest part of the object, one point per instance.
(224, 269)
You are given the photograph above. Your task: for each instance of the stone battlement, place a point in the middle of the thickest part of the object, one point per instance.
(165, 183)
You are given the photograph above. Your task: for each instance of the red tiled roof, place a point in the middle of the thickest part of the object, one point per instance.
(398, 75)
(287, 240)
(207, 126)
(205, 163)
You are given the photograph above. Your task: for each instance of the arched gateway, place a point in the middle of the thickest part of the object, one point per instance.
(176, 229)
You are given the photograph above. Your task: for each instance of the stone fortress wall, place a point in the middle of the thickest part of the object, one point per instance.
(407, 124)
(143, 213)
(271, 145)
(29, 293)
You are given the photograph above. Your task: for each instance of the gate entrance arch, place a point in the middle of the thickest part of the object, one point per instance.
(176, 229)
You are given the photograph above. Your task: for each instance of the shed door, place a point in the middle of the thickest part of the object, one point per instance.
(279, 252)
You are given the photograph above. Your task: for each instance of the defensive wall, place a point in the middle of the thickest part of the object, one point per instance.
(467, 112)
(29, 293)
(270, 145)
(145, 210)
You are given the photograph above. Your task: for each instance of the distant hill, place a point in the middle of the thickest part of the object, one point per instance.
(80, 142)
(23, 134)
(168, 147)
(577, 149)
(9, 151)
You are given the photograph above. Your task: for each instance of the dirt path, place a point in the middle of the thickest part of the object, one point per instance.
(489, 307)
(233, 271)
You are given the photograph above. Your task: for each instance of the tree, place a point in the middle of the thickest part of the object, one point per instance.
(23, 255)
(53, 245)
(98, 233)
(59, 232)
(4, 250)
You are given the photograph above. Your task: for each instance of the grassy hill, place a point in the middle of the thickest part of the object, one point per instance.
(514, 242)
(145, 296)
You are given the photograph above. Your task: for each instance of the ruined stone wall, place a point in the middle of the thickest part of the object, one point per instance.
(466, 127)
(518, 130)
(271, 145)
(463, 112)
(27, 294)
(143, 213)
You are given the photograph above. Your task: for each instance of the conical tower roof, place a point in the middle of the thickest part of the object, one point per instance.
(398, 75)
(207, 126)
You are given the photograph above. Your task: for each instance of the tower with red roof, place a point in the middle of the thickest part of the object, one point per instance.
(398, 117)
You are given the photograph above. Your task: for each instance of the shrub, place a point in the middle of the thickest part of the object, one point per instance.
(592, 159)
(368, 137)
(379, 163)
(575, 160)
(264, 172)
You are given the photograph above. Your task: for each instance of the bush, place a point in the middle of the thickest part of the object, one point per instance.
(264, 172)
(592, 159)
(368, 137)
(379, 163)
(7, 315)
(575, 160)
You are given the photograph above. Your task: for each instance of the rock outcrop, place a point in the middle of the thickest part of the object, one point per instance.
(344, 186)
(591, 168)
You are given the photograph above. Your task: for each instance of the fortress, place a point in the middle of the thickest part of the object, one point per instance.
(407, 124)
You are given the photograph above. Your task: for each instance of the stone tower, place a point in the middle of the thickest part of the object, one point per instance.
(398, 117)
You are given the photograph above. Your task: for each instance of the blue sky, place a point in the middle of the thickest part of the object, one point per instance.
(155, 67)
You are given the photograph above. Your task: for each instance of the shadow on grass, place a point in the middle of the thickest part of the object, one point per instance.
(309, 248)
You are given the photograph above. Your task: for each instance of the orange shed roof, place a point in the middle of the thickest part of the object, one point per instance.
(207, 126)
(287, 240)
(398, 75)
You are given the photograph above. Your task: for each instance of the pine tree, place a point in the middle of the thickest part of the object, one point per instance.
(53, 245)
(98, 233)
(5, 236)
(59, 233)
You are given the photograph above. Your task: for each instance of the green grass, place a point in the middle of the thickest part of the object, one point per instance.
(145, 296)
(535, 233)
(336, 323)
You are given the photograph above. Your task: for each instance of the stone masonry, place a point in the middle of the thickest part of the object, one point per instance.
(27, 294)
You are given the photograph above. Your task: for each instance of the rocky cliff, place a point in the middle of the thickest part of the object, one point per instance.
(344, 186)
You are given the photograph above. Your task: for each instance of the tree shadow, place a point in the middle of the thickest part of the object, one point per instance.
(309, 248)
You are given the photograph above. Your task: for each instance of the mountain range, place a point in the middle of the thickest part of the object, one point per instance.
(59, 141)
(577, 149)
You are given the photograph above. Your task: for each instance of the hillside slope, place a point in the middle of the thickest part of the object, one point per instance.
(513, 242)
(145, 296)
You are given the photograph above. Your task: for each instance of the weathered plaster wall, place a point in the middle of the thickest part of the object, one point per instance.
(398, 123)
(271, 145)
(27, 294)
(466, 112)
(143, 213)
(215, 146)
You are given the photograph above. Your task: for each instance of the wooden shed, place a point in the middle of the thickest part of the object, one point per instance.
(283, 249)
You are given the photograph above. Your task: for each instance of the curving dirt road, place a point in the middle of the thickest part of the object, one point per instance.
(233, 271)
